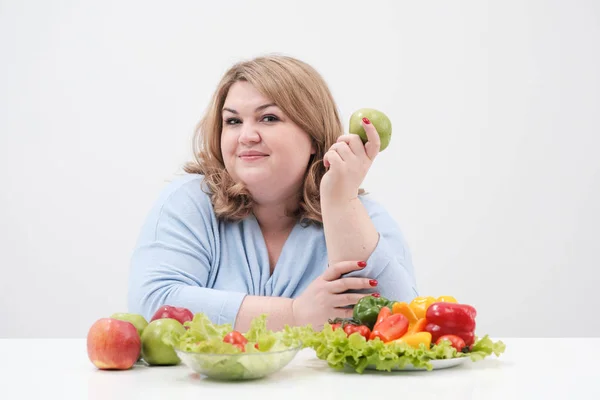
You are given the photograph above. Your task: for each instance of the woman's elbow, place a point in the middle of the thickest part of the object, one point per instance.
(144, 301)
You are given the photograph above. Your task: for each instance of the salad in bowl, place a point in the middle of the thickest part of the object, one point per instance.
(222, 353)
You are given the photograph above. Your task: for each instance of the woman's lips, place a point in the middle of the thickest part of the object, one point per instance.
(253, 158)
(252, 155)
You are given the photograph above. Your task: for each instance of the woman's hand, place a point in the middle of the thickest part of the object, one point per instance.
(325, 297)
(349, 161)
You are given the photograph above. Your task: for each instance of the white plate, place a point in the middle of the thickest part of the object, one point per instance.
(436, 364)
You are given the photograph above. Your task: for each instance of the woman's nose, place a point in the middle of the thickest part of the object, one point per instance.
(249, 134)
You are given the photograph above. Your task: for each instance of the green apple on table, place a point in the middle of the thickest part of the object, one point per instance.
(380, 121)
(137, 320)
(154, 351)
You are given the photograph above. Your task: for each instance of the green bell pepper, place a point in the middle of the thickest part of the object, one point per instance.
(367, 309)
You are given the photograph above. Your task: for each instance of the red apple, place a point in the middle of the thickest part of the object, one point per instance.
(181, 314)
(113, 344)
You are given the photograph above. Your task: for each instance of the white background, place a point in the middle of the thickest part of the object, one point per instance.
(493, 171)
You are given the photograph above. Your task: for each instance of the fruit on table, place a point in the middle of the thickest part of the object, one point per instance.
(367, 309)
(380, 121)
(113, 344)
(181, 314)
(137, 320)
(154, 350)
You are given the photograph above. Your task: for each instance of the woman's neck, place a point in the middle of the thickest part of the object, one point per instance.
(273, 218)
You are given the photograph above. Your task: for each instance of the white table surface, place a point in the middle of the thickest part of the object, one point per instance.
(529, 369)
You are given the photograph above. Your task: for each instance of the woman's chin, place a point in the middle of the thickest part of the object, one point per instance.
(254, 179)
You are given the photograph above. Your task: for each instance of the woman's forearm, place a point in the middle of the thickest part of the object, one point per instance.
(278, 310)
(349, 232)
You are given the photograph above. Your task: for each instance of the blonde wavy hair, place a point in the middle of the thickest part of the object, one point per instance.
(302, 94)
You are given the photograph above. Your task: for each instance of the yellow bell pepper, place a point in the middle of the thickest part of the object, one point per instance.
(415, 339)
(420, 304)
(447, 299)
(401, 307)
(417, 327)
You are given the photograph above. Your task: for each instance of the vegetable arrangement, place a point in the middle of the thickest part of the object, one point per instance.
(382, 334)
(385, 334)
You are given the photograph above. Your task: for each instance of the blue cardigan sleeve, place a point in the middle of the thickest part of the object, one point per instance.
(176, 250)
(391, 262)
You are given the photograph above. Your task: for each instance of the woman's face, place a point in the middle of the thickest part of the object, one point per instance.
(261, 146)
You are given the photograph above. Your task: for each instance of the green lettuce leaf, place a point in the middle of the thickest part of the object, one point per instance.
(267, 340)
(258, 327)
(201, 336)
(485, 347)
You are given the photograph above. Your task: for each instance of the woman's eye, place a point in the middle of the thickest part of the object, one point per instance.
(270, 118)
(232, 121)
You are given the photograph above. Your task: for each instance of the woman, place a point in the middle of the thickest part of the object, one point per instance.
(269, 217)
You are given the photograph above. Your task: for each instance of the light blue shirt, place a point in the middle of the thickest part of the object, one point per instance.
(186, 257)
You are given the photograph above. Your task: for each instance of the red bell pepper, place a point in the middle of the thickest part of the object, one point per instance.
(383, 314)
(452, 315)
(389, 327)
(439, 331)
(444, 318)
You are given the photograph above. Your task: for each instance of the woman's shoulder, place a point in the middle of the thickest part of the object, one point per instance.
(186, 183)
(184, 194)
(182, 209)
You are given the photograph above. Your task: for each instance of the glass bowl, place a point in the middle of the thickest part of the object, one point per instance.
(238, 366)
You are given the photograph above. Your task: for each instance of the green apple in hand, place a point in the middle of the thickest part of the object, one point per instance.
(137, 320)
(154, 351)
(380, 121)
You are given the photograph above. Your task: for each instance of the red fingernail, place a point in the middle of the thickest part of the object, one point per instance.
(375, 295)
(366, 120)
(362, 264)
(373, 282)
